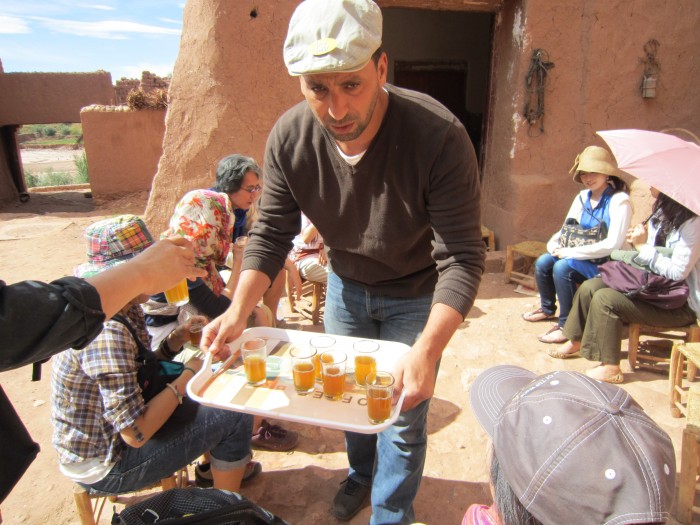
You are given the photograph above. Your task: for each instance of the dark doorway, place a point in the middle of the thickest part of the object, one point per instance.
(446, 54)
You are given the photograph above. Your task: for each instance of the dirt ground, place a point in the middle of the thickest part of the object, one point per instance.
(42, 240)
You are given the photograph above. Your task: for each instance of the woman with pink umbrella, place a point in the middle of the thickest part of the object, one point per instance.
(594, 326)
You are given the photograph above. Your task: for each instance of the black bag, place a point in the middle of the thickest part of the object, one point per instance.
(196, 506)
(644, 285)
(154, 373)
(573, 235)
(17, 449)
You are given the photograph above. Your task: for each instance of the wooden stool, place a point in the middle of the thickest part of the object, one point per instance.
(310, 309)
(690, 460)
(488, 238)
(683, 355)
(530, 250)
(689, 334)
(90, 515)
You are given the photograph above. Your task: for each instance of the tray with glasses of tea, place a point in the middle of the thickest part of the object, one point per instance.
(333, 381)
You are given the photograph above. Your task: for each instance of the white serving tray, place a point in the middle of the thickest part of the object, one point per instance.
(277, 397)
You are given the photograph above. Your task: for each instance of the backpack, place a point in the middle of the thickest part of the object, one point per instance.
(196, 506)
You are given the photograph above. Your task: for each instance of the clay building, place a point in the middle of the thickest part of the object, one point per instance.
(578, 66)
(41, 98)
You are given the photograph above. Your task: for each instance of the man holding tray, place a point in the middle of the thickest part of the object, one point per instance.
(389, 177)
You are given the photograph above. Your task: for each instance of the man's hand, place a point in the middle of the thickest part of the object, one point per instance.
(165, 264)
(414, 373)
(224, 329)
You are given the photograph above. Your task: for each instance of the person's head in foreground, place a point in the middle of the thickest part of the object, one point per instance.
(568, 449)
(334, 46)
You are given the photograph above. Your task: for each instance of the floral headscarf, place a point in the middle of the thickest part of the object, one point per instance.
(205, 217)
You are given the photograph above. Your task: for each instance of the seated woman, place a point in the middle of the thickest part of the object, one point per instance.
(559, 272)
(204, 218)
(308, 254)
(598, 313)
(108, 438)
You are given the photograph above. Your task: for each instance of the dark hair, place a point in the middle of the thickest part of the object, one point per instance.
(670, 213)
(508, 506)
(618, 184)
(377, 54)
(231, 170)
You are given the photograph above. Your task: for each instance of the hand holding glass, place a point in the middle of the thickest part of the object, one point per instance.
(254, 354)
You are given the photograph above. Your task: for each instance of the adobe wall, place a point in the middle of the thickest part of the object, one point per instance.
(40, 98)
(230, 85)
(597, 47)
(123, 147)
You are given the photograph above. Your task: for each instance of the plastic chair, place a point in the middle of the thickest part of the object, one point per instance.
(689, 334)
(89, 513)
(530, 251)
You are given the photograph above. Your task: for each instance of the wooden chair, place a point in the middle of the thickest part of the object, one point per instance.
(90, 514)
(683, 356)
(690, 461)
(489, 239)
(689, 334)
(309, 307)
(530, 251)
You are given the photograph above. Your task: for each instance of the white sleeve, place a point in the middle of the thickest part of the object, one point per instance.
(686, 252)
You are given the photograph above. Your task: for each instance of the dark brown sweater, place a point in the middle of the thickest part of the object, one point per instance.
(405, 221)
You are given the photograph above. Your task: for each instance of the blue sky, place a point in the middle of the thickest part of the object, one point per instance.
(124, 37)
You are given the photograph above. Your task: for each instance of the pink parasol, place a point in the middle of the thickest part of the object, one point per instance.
(669, 164)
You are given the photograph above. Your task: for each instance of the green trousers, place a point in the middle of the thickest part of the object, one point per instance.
(598, 313)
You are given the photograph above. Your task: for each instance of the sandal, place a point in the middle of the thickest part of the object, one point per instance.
(556, 354)
(615, 379)
(536, 315)
(553, 335)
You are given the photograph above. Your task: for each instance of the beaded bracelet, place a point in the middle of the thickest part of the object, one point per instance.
(177, 394)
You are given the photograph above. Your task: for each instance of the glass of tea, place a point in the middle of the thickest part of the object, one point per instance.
(178, 294)
(333, 370)
(365, 360)
(380, 388)
(254, 354)
(303, 369)
(321, 343)
(196, 333)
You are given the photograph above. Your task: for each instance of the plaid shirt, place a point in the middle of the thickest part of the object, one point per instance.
(95, 393)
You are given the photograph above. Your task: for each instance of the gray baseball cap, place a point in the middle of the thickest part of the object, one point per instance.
(332, 36)
(575, 450)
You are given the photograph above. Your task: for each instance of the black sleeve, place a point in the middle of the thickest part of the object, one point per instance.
(206, 301)
(38, 320)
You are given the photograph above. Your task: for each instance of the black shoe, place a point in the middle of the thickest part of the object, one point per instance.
(350, 499)
(204, 479)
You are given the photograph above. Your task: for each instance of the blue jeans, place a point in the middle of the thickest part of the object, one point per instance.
(555, 278)
(191, 431)
(391, 461)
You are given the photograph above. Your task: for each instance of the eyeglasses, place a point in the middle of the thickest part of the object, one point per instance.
(253, 189)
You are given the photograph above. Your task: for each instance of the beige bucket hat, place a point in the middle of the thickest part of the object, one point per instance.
(594, 159)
